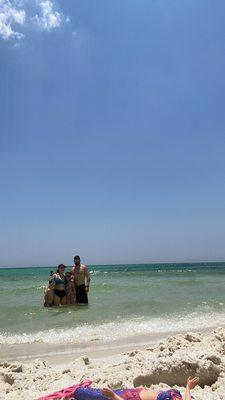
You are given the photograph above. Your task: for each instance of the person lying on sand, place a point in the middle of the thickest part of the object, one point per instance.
(83, 391)
(88, 393)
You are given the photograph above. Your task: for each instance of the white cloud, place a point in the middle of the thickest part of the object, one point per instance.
(48, 18)
(42, 13)
(9, 17)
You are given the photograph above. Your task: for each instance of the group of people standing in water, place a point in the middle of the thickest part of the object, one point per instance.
(67, 288)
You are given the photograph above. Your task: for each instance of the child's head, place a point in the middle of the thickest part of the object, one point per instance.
(68, 275)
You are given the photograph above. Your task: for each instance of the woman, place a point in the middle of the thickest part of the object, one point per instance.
(60, 286)
(85, 393)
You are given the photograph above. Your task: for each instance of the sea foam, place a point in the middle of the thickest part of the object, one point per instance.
(112, 331)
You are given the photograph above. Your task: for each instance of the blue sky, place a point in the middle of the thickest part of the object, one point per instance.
(112, 131)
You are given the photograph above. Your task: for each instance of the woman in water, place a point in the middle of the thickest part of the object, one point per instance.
(60, 286)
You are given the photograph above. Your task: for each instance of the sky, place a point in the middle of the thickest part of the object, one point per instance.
(112, 131)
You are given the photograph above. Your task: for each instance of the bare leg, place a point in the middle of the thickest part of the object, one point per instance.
(70, 299)
(63, 301)
(49, 295)
(56, 300)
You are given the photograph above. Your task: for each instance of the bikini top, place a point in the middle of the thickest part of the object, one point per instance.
(59, 281)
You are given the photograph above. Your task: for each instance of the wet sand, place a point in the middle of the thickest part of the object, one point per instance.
(166, 363)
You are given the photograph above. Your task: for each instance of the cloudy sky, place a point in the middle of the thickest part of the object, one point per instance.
(112, 131)
(17, 16)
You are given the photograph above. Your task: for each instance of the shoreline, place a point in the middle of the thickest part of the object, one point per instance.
(58, 354)
(164, 364)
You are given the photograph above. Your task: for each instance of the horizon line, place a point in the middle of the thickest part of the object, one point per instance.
(119, 264)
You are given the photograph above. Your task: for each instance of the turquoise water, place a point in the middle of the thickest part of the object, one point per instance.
(125, 300)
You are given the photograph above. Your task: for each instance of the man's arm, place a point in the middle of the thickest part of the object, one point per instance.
(74, 291)
(88, 278)
(191, 383)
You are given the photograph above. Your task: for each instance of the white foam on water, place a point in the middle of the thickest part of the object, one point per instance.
(118, 330)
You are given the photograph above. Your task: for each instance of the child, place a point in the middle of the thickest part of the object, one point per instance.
(49, 293)
(70, 289)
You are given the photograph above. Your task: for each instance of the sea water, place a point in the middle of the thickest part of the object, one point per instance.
(124, 301)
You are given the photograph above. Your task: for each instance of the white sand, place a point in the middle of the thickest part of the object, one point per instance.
(169, 362)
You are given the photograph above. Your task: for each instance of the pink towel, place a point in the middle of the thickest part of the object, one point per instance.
(67, 393)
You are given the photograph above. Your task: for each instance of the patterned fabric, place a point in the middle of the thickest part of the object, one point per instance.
(83, 391)
(131, 394)
(171, 394)
(89, 393)
(67, 393)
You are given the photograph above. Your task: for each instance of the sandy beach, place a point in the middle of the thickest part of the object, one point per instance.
(167, 362)
(128, 336)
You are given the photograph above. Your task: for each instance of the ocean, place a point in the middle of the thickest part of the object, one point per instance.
(124, 301)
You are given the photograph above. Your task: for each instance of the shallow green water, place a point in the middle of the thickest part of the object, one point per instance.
(124, 300)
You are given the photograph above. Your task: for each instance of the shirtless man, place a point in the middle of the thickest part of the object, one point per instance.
(81, 281)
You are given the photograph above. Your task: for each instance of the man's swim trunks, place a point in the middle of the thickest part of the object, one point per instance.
(81, 295)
